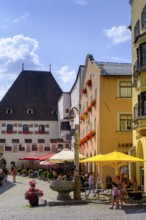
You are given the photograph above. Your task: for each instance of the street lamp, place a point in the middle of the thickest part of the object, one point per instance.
(77, 192)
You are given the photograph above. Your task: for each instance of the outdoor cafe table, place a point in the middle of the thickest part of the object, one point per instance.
(135, 195)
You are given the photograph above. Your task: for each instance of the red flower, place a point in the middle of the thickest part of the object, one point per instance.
(93, 102)
(89, 83)
(84, 90)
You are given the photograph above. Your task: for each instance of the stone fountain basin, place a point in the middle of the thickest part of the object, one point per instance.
(63, 188)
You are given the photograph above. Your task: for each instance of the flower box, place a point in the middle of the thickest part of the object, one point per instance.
(89, 108)
(93, 102)
(88, 137)
(33, 194)
(85, 113)
(89, 83)
(84, 90)
(82, 117)
(92, 133)
(84, 140)
(81, 141)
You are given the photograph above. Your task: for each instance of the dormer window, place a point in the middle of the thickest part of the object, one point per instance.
(8, 111)
(30, 111)
(54, 112)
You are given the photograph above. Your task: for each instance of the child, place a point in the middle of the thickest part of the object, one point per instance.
(123, 191)
(115, 195)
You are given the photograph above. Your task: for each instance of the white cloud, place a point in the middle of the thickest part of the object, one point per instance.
(114, 59)
(18, 49)
(118, 34)
(13, 52)
(22, 17)
(81, 2)
(66, 77)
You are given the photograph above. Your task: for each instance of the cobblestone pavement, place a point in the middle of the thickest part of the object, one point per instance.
(14, 206)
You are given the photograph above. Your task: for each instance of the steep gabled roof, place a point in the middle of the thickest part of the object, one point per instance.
(111, 68)
(35, 90)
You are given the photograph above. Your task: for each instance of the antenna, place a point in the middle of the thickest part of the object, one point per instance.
(22, 66)
(50, 68)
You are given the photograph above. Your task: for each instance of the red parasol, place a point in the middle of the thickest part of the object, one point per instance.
(29, 158)
(46, 157)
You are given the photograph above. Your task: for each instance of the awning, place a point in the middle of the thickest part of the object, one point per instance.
(46, 157)
(47, 163)
(29, 158)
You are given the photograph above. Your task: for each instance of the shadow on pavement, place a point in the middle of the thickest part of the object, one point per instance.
(134, 209)
(6, 186)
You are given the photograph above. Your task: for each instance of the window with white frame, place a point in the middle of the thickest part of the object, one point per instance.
(125, 122)
(125, 89)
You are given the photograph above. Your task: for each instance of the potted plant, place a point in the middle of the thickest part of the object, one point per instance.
(19, 171)
(50, 175)
(24, 172)
(44, 175)
(40, 172)
(33, 194)
(30, 173)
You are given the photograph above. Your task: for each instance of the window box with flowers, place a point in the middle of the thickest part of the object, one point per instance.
(81, 141)
(84, 91)
(88, 136)
(89, 108)
(84, 140)
(85, 113)
(82, 117)
(92, 133)
(89, 83)
(93, 102)
(33, 194)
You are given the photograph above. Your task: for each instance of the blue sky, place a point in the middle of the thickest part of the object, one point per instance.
(61, 33)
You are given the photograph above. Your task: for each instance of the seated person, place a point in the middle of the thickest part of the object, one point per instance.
(129, 184)
(135, 184)
(60, 177)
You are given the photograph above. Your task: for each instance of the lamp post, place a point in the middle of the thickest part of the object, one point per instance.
(77, 192)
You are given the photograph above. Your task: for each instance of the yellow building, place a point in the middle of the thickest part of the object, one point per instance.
(138, 29)
(106, 111)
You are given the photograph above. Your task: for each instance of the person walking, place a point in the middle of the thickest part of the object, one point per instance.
(115, 195)
(91, 184)
(14, 173)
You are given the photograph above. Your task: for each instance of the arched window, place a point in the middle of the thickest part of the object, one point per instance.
(143, 17)
(136, 30)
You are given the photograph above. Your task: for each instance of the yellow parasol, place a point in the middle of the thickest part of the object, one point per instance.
(114, 159)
